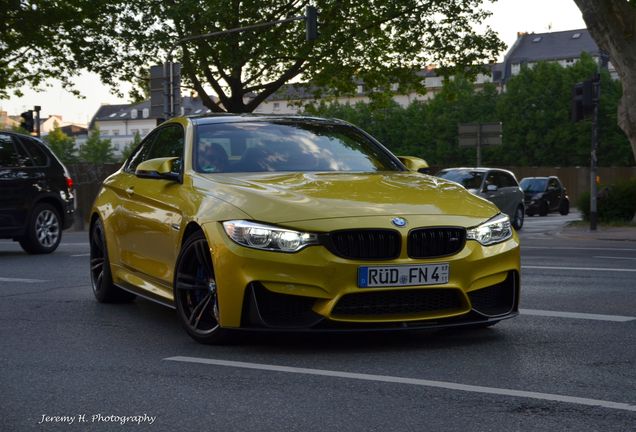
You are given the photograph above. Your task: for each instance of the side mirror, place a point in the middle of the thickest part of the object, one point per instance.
(416, 164)
(491, 188)
(159, 168)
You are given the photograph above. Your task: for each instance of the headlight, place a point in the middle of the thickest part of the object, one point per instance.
(492, 231)
(266, 237)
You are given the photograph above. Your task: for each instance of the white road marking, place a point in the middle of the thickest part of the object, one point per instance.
(20, 280)
(577, 315)
(411, 381)
(580, 268)
(577, 248)
(81, 255)
(615, 258)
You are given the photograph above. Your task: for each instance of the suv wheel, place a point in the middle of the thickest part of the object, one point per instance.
(564, 208)
(44, 230)
(517, 221)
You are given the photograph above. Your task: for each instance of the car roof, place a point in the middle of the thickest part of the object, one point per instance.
(478, 169)
(237, 118)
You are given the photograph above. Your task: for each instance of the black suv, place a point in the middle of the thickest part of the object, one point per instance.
(36, 194)
(544, 195)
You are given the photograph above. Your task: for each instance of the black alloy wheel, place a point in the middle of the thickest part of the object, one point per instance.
(517, 221)
(101, 278)
(195, 293)
(564, 208)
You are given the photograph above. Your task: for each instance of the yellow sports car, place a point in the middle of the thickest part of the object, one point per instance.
(296, 223)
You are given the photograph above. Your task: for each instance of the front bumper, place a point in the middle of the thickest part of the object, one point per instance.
(316, 290)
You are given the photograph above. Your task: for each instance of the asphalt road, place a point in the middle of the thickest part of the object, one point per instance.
(567, 363)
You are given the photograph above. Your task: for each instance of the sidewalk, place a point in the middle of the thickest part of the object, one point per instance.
(582, 232)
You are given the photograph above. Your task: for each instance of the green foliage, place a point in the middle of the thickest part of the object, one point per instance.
(127, 151)
(615, 203)
(43, 39)
(535, 111)
(62, 145)
(96, 150)
(377, 41)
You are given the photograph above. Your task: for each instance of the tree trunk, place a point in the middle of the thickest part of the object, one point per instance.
(612, 24)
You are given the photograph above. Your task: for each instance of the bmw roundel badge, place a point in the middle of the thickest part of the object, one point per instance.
(398, 221)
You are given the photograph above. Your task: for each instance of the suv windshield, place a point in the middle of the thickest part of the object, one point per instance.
(287, 146)
(534, 185)
(466, 178)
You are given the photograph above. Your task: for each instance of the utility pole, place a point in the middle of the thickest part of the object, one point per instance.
(596, 82)
(37, 109)
(172, 71)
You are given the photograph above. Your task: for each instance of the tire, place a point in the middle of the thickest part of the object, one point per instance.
(517, 221)
(44, 230)
(543, 208)
(101, 277)
(564, 208)
(195, 293)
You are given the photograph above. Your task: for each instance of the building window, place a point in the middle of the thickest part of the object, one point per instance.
(104, 132)
(276, 106)
(116, 132)
(134, 131)
(145, 113)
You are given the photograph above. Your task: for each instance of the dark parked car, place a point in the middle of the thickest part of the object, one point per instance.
(543, 195)
(496, 185)
(36, 194)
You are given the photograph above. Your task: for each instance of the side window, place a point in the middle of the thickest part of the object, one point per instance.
(507, 180)
(491, 179)
(37, 154)
(553, 184)
(169, 142)
(138, 155)
(10, 155)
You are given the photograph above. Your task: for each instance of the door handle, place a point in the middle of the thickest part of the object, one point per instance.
(130, 190)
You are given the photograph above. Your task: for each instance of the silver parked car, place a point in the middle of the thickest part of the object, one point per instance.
(497, 185)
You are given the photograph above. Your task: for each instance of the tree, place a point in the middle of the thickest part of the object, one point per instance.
(39, 40)
(127, 151)
(62, 145)
(376, 41)
(96, 150)
(612, 25)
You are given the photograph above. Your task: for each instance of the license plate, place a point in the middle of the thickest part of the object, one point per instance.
(388, 276)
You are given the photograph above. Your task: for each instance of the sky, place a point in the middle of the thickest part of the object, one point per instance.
(509, 17)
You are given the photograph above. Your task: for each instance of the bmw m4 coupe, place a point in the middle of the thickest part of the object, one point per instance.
(243, 222)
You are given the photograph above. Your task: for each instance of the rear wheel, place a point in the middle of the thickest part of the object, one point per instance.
(195, 292)
(517, 221)
(564, 208)
(44, 231)
(101, 278)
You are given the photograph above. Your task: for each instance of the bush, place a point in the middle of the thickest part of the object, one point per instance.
(616, 202)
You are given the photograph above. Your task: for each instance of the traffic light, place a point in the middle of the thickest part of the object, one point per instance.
(582, 100)
(27, 121)
(311, 23)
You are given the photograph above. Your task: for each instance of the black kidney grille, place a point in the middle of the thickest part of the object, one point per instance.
(365, 244)
(398, 302)
(435, 242)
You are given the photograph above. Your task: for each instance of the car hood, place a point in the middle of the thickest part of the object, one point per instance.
(292, 197)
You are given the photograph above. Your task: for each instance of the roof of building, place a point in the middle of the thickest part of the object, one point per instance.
(121, 112)
(533, 47)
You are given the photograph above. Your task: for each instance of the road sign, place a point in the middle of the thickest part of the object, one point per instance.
(479, 135)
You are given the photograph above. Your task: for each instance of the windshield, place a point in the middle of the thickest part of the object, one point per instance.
(287, 146)
(534, 185)
(468, 179)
